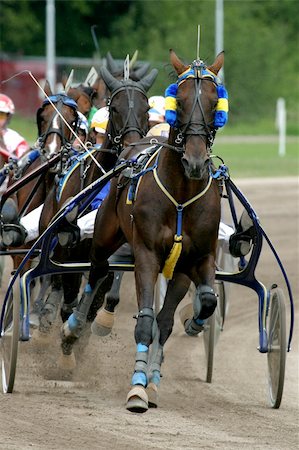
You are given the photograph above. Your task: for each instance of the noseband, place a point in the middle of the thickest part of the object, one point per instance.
(117, 135)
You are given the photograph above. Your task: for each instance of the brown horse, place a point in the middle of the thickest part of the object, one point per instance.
(128, 122)
(55, 137)
(172, 224)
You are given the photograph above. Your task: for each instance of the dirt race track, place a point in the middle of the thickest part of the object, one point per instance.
(54, 411)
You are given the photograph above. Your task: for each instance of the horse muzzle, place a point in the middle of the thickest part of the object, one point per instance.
(195, 168)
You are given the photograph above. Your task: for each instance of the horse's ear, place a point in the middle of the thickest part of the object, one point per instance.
(141, 71)
(64, 79)
(177, 63)
(217, 64)
(74, 93)
(148, 80)
(111, 82)
(111, 64)
(47, 88)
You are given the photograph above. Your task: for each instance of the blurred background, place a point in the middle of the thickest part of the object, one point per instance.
(260, 39)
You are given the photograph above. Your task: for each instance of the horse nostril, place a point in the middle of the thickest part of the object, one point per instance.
(185, 163)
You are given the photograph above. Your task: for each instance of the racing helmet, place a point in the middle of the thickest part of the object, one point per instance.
(100, 120)
(6, 104)
(161, 129)
(157, 108)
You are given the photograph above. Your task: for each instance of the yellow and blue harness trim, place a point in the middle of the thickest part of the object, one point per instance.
(221, 112)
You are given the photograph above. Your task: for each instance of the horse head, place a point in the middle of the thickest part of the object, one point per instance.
(196, 100)
(55, 132)
(84, 97)
(128, 107)
(137, 72)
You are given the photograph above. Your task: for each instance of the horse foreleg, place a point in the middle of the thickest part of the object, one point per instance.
(146, 274)
(205, 299)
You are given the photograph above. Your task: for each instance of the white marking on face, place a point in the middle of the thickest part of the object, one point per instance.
(53, 145)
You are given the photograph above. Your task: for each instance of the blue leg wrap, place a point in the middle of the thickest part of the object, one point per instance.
(139, 376)
(77, 319)
(156, 377)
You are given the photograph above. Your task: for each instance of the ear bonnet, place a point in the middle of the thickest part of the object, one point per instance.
(221, 112)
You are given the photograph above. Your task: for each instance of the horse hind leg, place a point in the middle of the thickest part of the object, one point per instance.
(44, 284)
(71, 287)
(73, 327)
(50, 308)
(204, 304)
(154, 368)
(104, 320)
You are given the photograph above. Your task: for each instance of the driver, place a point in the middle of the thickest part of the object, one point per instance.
(12, 144)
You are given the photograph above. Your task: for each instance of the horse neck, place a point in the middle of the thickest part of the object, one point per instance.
(40, 192)
(172, 174)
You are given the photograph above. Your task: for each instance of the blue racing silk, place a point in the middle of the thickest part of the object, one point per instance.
(97, 201)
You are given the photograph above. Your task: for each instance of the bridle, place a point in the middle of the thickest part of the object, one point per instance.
(116, 136)
(59, 100)
(202, 128)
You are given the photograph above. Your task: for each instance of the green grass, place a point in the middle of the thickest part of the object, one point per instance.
(258, 159)
(26, 127)
(244, 159)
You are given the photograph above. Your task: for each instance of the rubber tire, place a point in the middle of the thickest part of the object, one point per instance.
(10, 341)
(277, 347)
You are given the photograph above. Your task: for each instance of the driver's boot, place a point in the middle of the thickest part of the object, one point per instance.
(240, 241)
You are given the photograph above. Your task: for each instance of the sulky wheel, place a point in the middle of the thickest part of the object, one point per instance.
(212, 329)
(9, 341)
(276, 346)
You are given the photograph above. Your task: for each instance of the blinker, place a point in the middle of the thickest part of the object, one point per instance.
(61, 97)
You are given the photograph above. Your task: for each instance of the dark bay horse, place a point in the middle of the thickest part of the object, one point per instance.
(54, 136)
(172, 224)
(128, 122)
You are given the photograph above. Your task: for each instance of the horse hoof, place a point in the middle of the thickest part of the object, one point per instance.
(67, 362)
(34, 320)
(152, 393)
(103, 323)
(186, 313)
(137, 400)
